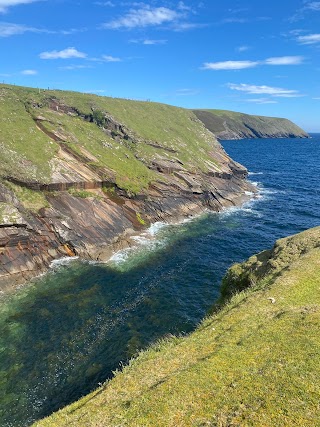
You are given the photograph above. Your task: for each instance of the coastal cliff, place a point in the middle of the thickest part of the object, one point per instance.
(226, 125)
(80, 174)
(254, 362)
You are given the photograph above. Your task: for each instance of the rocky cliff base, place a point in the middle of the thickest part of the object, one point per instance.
(95, 226)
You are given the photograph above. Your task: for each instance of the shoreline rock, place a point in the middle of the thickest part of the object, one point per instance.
(96, 227)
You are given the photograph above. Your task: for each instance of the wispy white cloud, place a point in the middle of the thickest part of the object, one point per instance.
(148, 42)
(290, 95)
(264, 90)
(262, 101)
(243, 48)
(229, 65)
(238, 10)
(144, 17)
(234, 20)
(105, 3)
(240, 65)
(242, 19)
(8, 29)
(70, 31)
(75, 67)
(73, 53)
(186, 26)
(109, 58)
(29, 72)
(302, 12)
(309, 39)
(70, 52)
(5, 4)
(285, 60)
(314, 5)
(154, 42)
(295, 32)
(183, 6)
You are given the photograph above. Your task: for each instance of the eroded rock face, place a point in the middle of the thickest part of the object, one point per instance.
(27, 251)
(94, 227)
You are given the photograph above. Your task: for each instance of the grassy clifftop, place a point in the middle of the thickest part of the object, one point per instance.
(117, 139)
(45, 132)
(232, 125)
(253, 363)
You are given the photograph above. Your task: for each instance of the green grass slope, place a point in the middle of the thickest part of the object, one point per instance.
(24, 150)
(255, 362)
(35, 124)
(233, 125)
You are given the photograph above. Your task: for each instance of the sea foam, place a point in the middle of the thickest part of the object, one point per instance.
(62, 262)
(255, 173)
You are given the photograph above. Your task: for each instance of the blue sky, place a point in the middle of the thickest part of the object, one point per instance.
(258, 57)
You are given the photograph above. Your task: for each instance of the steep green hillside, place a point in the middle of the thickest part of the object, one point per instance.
(253, 363)
(232, 125)
(120, 146)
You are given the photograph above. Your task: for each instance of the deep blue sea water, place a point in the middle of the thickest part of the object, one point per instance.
(65, 333)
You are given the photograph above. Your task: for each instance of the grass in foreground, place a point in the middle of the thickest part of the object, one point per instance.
(254, 363)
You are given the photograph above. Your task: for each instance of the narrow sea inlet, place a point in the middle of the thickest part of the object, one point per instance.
(69, 330)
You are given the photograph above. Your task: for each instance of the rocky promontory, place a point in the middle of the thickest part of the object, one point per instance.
(226, 125)
(79, 174)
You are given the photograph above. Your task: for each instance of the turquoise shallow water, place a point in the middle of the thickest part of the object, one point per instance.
(65, 333)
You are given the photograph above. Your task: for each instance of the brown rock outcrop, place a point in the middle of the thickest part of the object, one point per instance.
(95, 226)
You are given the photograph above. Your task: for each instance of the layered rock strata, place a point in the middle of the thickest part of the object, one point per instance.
(94, 227)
